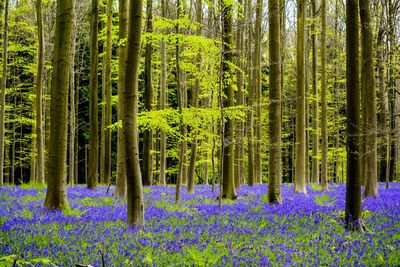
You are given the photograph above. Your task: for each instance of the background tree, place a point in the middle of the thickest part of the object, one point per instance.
(367, 78)
(93, 99)
(228, 184)
(300, 172)
(275, 108)
(120, 190)
(3, 85)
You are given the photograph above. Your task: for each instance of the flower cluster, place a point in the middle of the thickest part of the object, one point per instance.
(302, 230)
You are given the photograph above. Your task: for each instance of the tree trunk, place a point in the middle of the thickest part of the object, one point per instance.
(324, 119)
(300, 179)
(163, 101)
(258, 95)
(195, 94)
(130, 111)
(39, 97)
(179, 91)
(382, 103)
(148, 99)
(120, 188)
(239, 146)
(93, 100)
(228, 184)
(367, 77)
(108, 94)
(315, 136)
(56, 189)
(250, 99)
(353, 185)
(275, 108)
(71, 161)
(3, 85)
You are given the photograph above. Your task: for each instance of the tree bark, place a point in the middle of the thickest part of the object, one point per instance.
(195, 94)
(130, 111)
(72, 119)
(324, 119)
(163, 102)
(353, 184)
(120, 188)
(108, 93)
(228, 184)
(56, 189)
(300, 179)
(148, 99)
(275, 106)
(92, 181)
(39, 97)
(3, 85)
(315, 136)
(367, 77)
(258, 95)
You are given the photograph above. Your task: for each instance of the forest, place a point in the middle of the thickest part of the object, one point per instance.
(199, 132)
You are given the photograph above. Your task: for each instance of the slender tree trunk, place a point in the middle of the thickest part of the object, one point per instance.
(130, 111)
(324, 119)
(367, 77)
(71, 161)
(56, 190)
(382, 104)
(228, 183)
(275, 108)
(108, 93)
(258, 95)
(239, 147)
(250, 100)
(93, 100)
(163, 101)
(148, 99)
(300, 179)
(353, 185)
(195, 94)
(315, 136)
(3, 85)
(39, 96)
(179, 90)
(120, 189)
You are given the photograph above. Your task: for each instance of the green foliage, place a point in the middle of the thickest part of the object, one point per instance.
(74, 212)
(315, 187)
(38, 186)
(324, 200)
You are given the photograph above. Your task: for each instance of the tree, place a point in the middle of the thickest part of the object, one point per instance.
(108, 93)
(56, 193)
(228, 184)
(315, 136)
(300, 172)
(195, 104)
(3, 86)
(93, 108)
(129, 111)
(239, 147)
(257, 88)
(324, 119)
(353, 184)
(275, 108)
(367, 78)
(120, 189)
(39, 97)
(163, 101)
(72, 119)
(148, 99)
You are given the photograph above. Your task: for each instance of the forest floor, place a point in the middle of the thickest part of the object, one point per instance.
(303, 230)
